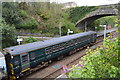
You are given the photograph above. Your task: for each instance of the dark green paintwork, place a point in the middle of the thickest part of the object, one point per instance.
(41, 56)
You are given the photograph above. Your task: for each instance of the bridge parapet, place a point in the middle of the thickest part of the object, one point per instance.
(102, 12)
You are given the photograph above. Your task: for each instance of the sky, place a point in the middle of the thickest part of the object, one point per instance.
(89, 2)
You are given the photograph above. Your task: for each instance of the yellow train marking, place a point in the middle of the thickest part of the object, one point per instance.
(25, 70)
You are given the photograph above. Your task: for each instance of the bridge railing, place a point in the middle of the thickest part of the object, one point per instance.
(103, 11)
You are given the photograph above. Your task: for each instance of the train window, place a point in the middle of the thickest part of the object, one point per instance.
(76, 41)
(73, 42)
(47, 50)
(83, 38)
(67, 44)
(16, 61)
(32, 56)
(87, 37)
(24, 58)
(70, 43)
(62, 46)
(55, 48)
(50, 50)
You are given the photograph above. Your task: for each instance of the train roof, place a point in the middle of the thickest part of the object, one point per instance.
(16, 50)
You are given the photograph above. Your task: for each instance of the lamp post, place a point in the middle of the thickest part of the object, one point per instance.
(104, 30)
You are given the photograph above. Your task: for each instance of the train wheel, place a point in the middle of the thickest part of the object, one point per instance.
(70, 53)
(50, 61)
(17, 77)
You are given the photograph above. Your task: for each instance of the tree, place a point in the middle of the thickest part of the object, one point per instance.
(78, 13)
(100, 63)
(10, 12)
(8, 36)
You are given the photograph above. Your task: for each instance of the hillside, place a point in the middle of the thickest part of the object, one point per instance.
(43, 17)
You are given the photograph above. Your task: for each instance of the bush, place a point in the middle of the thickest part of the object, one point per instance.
(100, 63)
(7, 34)
(22, 14)
(68, 25)
(10, 12)
(29, 24)
(30, 40)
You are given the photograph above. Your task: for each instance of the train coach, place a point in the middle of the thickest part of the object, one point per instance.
(24, 58)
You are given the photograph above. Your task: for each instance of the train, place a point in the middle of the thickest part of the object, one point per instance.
(21, 59)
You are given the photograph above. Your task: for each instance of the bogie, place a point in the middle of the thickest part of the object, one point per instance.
(60, 57)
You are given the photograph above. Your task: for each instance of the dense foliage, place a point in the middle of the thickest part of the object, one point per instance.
(43, 17)
(78, 13)
(67, 24)
(10, 12)
(30, 40)
(109, 21)
(28, 24)
(99, 63)
(8, 36)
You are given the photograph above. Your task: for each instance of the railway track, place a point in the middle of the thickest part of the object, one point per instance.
(69, 60)
(75, 61)
(50, 73)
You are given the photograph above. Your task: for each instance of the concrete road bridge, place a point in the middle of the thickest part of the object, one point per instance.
(90, 18)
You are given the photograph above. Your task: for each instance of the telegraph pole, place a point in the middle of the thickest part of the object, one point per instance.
(104, 30)
(60, 29)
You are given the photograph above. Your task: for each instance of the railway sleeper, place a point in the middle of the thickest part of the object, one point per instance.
(34, 69)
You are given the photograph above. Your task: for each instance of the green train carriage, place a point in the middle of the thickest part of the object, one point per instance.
(23, 58)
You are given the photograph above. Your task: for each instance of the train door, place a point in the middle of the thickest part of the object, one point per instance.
(25, 61)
